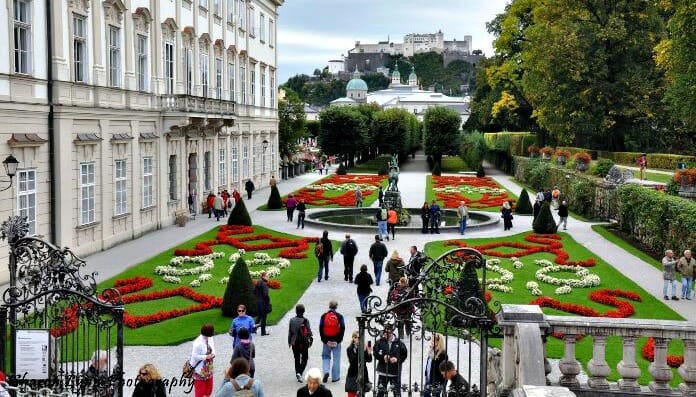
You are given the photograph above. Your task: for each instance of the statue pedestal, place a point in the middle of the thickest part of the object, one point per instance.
(392, 199)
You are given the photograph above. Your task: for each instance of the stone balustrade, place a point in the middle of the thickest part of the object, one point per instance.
(524, 345)
(194, 104)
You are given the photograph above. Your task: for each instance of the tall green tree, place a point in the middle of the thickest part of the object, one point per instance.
(442, 132)
(342, 132)
(291, 123)
(390, 131)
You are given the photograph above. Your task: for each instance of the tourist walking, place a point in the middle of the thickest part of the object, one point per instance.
(225, 201)
(358, 197)
(352, 386)
(202, 356)
(290, 204)
(237, 379)
(390, 353)
(364, 282)
(687, 268)
(149, 383)
(540, 196)
(404, 313)
(210, 204)
(249, 187)
(395, 268)
(301, 208)
(380, 197)
(218, 207)
(241, 321)
(381, 217)
(320, 166)
(434, 381)
(245, 349)
(642, 165)
(462, 215)
(425, 217)
(506, 214)
(378, 251)
(563, 215)
(332, 328)
(349, 249)
(324, 252)
(313, 388)
(392, 220)
(668, 274)
(555, 197)
(263, 301)
(416, 261)
(300, 339)
(456, 385)
(236, 196)
(435, 215)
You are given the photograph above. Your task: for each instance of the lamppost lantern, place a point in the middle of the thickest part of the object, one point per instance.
(265, 145)
(10, 164)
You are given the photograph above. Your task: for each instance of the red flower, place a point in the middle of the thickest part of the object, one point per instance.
(648, 353)
(451, 200)
(315, 196)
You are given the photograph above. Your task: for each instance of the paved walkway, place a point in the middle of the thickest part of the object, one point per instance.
(274, 358)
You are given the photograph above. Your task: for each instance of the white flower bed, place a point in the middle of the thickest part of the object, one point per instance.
(171, 279)
(343, 187)
(586, 280)
(498, 284)
(206, 263)
(273, 266)
(564, 290)
(467, 189)
(534, 288)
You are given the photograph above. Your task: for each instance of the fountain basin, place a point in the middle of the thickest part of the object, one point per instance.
(363, 219)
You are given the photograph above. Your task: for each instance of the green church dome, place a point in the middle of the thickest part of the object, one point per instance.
(356, 84)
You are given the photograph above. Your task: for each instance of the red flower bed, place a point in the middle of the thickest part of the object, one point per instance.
(205, 302)
(546, 243)
(293, 249)
(648, 353)
(315, 196)
(451, 200)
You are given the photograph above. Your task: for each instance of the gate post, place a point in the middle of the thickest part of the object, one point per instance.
(361, 356)
(3, 337)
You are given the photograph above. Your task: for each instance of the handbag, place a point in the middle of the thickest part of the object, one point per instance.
(188, 370)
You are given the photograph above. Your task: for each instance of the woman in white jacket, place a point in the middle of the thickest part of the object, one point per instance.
(202, 356)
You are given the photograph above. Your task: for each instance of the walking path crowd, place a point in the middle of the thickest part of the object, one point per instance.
(282, 360)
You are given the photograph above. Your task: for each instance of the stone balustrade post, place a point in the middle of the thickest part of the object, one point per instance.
(687, 371)
(627, 367)
(569, 366)
(660, 371)
(598, 366)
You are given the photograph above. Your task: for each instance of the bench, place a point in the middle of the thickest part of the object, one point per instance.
(181, 217)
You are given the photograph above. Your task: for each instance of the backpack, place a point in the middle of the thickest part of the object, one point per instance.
(304, 337)
(319, 249)
(332, 325)
(244, 391)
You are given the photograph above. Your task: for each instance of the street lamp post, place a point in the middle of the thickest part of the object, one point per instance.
(10, 164)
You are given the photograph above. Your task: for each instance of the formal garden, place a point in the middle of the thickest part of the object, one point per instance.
(479, 193)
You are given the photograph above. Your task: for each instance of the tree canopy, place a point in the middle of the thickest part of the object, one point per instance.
(291, 122)
(342, 131)
(441, 125)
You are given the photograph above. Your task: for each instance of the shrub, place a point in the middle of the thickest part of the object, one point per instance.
(583, 156)
(240, 290)
(473, 149)
(480, 172)
(524, 206)
(239, 215)
(437, 170)
(544, 222)
(274, 201)
(574, 150)
(341, 170)
(672, 188)
(533, 150)
(538, 174)
(602, 167)
(514, 143)
(582, 192)
(668, 161)
(430, 162)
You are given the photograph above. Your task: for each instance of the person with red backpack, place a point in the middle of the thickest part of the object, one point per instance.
(332, 327)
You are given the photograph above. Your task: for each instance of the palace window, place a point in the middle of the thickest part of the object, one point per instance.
(169, 67)
(206, 171)
(87, 191)
(172, 178)
(245, 159)
(26, 198)
(114, 56)
(22, 37)
(242, 15)
(252, 22)
(204, 74)
(263, 86)
(120, 188)
(272, 86)
(235, 167)
(230, 79)
(222, 165)
(252, 92)
(141, 49)
(188, 55)
(79, 48)
(242, 77)
(148, 183)
(218, 77)
(262, 27)
(271, 32)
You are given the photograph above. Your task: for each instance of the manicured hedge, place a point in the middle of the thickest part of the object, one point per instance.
(515, 143)
(657, 220)
(663, 161)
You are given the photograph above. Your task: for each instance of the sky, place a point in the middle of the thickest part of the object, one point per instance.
(311, 32)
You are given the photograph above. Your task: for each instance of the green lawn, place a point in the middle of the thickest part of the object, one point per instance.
(371, 166)
(294, 281)
(653, 176)
(454, 164)
(650, 307)
(430, 195)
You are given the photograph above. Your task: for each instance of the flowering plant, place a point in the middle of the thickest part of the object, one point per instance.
(584, 157)
(686, 177)
(547, 150)
(564, 290)
(533, 149)
(563, 153)
(534, 288)
(451, 190)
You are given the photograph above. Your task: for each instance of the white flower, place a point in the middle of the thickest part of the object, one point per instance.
(195, 283)
(499, 287)
(224, 280)
(506, 275)
(543, 262)
(564, 290)
(586, 280)
(534, 288)
(172, 279)
(517, 265)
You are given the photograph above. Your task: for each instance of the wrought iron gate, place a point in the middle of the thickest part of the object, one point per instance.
(445, 300)
(48, 297)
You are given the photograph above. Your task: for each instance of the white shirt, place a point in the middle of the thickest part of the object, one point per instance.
(200, 351)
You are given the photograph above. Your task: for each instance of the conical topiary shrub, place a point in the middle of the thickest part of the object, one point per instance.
(239, 215)
(341, 170)
(239, 290)
(524, 206)
(437, 170)
(480, 172)
(274, 201)
(544, 222)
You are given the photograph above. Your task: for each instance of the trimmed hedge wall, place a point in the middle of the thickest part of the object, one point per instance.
(655, 160)
(515, 143)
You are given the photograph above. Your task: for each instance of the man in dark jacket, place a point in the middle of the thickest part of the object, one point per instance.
(332, 328)
(415, 265)
(563, 214)
(378, 251)
(455, 384)
(324, 256)
(263, 302)
(297, 342)
(349, 249)
(249, 187)
(390, 353)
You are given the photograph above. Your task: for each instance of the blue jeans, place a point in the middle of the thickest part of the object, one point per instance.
(382, 229)
(378, 270)
(363, 301)
(674, 287)
(323, 267)
(462, 226)
(326, 354)
(686, 287)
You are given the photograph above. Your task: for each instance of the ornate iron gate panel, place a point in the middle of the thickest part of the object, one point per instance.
(444, 301)
(84, 355)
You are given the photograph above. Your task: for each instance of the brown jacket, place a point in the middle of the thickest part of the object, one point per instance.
(687, 267)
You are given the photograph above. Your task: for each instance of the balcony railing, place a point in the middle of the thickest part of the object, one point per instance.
(194, 104)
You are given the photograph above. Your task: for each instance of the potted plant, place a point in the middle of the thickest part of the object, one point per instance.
(533, 151)
(562, 156)
(582, 161)
(686, 178)
(546, 153)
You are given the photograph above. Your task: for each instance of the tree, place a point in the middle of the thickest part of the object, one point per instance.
(441, 125)
(390, 131)
(524, 206)
(239, 290)
(239, 215)
(342, 132)
(544, 223)
(274, 200)
(291, 123)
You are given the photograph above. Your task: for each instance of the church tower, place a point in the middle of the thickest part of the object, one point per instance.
(412, 78)
(396, 76)
(356, 89)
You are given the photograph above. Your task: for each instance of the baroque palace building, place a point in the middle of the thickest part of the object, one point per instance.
(120, 112)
